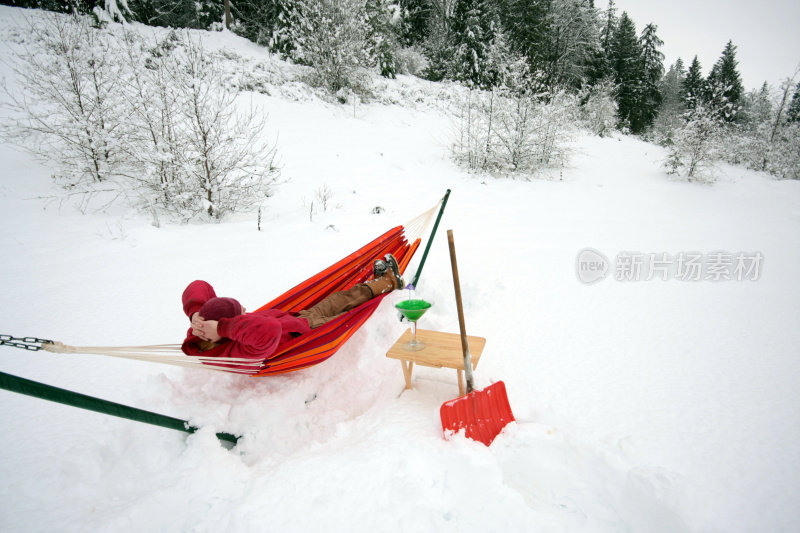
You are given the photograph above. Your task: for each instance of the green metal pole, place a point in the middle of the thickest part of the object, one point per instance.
(430, 239)
(66, 397)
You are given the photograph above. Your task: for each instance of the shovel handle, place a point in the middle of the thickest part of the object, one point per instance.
(461, 325)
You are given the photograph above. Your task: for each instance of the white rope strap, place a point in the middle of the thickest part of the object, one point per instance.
(169, 354)
(416, 226)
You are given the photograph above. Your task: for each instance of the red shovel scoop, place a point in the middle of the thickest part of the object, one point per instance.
(482, 414)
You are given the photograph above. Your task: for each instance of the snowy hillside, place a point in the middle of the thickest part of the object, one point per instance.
(642, 405)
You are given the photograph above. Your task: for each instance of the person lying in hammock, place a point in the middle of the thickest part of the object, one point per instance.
(221, 327)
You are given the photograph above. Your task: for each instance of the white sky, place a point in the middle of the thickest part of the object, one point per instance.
(766, 34)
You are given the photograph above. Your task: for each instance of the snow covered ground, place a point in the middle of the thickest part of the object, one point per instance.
(642, 405)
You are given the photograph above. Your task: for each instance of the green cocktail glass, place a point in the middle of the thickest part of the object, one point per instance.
(413, 309)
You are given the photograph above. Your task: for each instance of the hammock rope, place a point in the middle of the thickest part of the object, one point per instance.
(309, 349)
(170, 354)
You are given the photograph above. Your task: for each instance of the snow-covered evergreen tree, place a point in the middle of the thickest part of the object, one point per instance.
(694, 85)
(255, 20)
(381, 37)
(439, 43)
(573, 42)
(176, 13)
(288, 17)
(724, 88)
(210, 14)
(504, 67)
(653, 66)
(473, 33)
(58, 6)
(670, 115)
(114, 10)
(414, 21)
(610, 21)
(525, 25)
(626, 61)
(599, 69)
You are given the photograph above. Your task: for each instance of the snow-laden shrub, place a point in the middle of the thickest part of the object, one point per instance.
(198, 150)
(507, 132)
(746, 147)
(767, 140)
(664, 127)
(71, 106)
(763, 138)
(770, 148)
(696, 146)
(786, 154)
(151, 122)
(412, 61)
(598, 113)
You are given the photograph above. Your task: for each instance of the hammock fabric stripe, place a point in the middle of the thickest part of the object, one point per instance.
(324, 341)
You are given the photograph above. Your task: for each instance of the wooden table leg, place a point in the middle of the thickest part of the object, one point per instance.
(408, 368)
(460, 382)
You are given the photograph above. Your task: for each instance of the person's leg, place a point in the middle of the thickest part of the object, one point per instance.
(336, 304)
(343, 301)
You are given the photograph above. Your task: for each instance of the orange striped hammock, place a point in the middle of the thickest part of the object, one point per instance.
(314, 347)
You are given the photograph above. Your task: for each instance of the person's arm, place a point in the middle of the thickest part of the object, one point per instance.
(195, 295)
(256, 336)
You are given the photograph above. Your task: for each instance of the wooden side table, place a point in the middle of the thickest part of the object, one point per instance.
(442, 350)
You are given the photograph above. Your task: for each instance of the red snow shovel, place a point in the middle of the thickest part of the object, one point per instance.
(482, 414)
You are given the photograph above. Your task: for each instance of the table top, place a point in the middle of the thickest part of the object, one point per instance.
(441, 349)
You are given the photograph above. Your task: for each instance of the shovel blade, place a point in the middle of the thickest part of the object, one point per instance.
(482, 414)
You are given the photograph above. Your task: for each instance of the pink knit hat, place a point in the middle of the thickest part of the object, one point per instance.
(217, 308)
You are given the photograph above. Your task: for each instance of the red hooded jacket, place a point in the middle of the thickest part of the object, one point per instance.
(254, 335)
